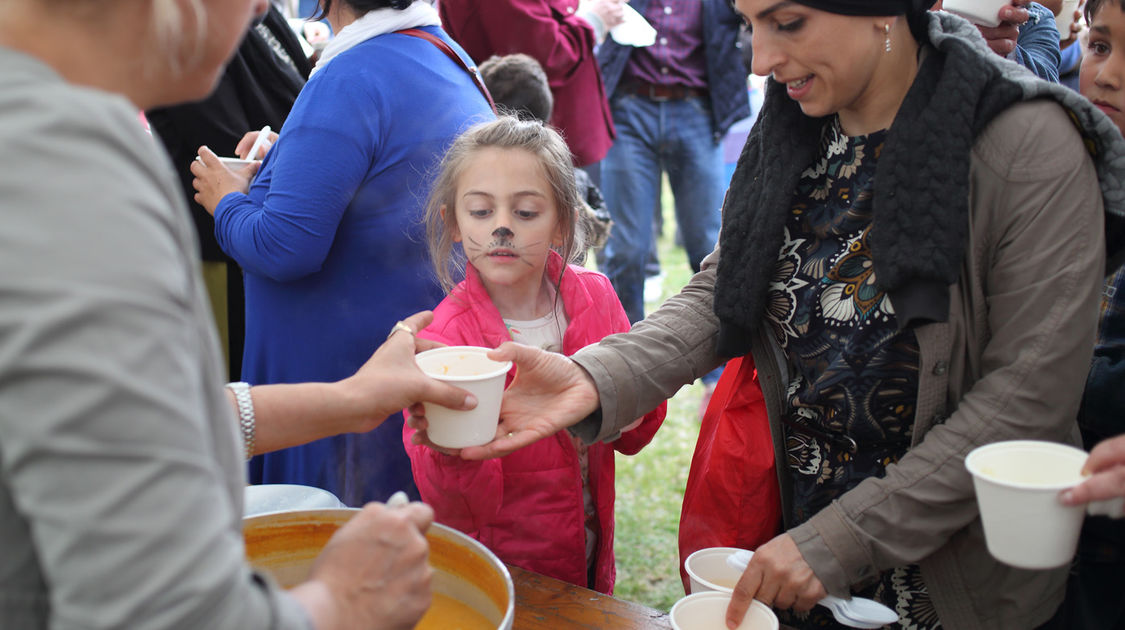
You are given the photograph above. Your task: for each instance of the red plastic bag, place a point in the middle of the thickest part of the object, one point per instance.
(732, 497)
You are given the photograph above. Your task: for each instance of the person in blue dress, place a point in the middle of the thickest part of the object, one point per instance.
(329, 232)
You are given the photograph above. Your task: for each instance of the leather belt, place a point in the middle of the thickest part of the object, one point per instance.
(656, 92)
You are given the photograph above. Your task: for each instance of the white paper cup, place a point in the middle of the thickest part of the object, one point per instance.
(708, 611)
(983, 12)
(1065, 18)
(232, 163)
(466, 367)
(708, 570)
(1017, 485)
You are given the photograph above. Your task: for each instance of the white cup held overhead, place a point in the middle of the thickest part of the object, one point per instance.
(466, 367)
(983, 12)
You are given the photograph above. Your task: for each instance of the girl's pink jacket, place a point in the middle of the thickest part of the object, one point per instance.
(527, 507)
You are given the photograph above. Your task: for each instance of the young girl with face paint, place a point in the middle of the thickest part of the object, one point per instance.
(506, 194)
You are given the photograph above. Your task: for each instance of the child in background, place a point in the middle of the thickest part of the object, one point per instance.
(519, 86)
(506, 193)
(1097, 580)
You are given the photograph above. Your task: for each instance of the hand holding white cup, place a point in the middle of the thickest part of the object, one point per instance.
(983, 12)
(1104, 487)
(1018, 485)
(469, 368)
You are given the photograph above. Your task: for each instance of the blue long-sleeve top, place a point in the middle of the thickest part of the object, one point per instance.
(331, 241)
(1037, 47)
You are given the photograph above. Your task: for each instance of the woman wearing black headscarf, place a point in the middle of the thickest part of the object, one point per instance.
(912, 249)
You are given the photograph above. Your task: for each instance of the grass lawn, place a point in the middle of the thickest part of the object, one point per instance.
(650, 484)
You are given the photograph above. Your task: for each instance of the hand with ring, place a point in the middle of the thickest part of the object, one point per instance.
(391, 381)
(400, 325)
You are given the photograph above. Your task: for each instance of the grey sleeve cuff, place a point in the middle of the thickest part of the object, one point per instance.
(834, 554)
(594, 428)
(636, 371)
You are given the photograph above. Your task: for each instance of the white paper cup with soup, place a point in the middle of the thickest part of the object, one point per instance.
(708, 611)
(708, 570)
(1017, 485)
(983, 12)
(466, 367)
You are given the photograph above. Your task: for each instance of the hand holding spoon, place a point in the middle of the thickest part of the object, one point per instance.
(855, 612)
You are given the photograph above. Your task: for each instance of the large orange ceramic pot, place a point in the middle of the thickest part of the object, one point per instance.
(472, 588)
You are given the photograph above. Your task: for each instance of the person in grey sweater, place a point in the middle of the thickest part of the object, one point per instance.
(121, 460)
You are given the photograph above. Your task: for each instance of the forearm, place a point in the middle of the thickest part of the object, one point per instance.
(636, 371)
(1037, 47)
(1038, 62)
(284, 227)
(294, 414)
(390, 381)
(268, 242)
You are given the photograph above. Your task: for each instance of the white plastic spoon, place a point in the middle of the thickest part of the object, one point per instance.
(259, 142)
(855, 612)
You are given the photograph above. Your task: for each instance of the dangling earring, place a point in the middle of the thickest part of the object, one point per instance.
(887, 32)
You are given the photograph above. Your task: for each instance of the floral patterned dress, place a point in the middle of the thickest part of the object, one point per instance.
(853, 373)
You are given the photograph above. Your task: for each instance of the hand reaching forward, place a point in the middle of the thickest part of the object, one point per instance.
(550, 393)
(777, 576)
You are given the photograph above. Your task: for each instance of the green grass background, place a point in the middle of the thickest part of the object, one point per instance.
(650, 484)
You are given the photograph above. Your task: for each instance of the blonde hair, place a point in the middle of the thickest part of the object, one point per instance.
(167, 28)
(506, 132)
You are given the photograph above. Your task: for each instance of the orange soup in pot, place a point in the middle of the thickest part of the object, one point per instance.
(446, 613)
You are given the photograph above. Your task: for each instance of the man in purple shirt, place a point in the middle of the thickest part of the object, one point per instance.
(671, 102)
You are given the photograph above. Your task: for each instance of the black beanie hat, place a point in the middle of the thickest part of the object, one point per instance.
(869, 7)
(914, 10)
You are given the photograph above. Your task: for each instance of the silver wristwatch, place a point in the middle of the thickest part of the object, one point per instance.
(241, 393)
